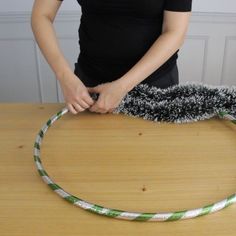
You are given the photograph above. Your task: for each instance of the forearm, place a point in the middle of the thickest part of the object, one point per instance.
(45, 36)
(160, 51)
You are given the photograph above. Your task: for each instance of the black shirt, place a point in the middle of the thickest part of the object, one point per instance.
(115, 34)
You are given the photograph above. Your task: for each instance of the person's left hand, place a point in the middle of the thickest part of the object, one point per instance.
(110, 96)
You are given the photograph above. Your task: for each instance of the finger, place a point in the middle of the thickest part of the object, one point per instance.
(95, 89)
(71, 109)
(91, 89)
(89, 100)
(78, 107)
(111, 110)
(102, 110)
(84, 104)
(95, 108)
(99, 106)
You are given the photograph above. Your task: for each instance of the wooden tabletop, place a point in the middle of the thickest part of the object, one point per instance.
(115, 161)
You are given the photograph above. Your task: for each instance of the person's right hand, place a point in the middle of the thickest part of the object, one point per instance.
(75, 93)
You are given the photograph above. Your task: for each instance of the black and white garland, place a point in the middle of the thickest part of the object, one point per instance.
(178, 103)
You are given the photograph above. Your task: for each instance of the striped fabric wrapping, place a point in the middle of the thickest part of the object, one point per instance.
(223, 113)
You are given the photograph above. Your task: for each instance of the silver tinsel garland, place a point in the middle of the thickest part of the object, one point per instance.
(179, 103)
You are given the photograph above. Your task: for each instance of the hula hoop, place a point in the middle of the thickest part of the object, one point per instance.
(120, 214)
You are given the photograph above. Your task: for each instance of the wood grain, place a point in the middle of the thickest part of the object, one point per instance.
(118, 162)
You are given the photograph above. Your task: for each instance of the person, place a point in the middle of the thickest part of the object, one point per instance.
(122, 43)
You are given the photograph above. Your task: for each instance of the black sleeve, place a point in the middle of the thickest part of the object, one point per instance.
(178, 5)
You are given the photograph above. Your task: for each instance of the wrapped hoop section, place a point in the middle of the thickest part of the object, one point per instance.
(115, 213)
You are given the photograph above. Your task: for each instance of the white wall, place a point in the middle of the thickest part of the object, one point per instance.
(224, 6)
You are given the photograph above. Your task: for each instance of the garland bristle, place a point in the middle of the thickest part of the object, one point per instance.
(179, 103)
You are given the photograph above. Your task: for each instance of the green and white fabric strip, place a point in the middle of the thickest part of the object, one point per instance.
(120, 214)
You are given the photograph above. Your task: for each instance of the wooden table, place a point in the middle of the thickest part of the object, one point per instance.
(116, 161)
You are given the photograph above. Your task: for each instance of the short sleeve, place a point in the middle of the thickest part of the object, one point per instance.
(178, 5)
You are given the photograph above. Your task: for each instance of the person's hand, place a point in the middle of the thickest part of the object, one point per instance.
(75, 93)
(110, 96)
